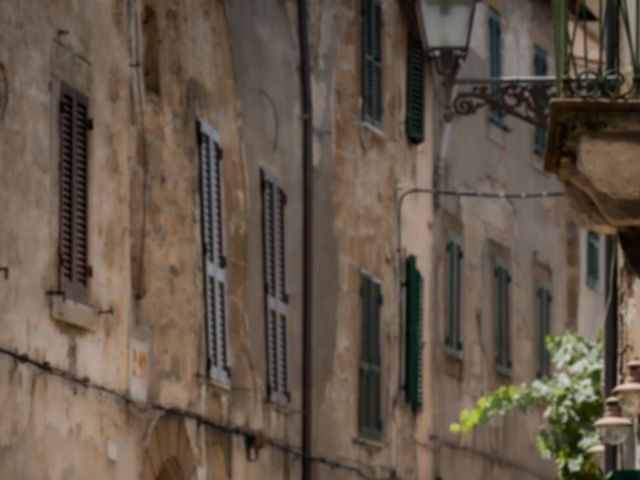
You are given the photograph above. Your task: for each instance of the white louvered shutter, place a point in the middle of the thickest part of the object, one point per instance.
(215, 278)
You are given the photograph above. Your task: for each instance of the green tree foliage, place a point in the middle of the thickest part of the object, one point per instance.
(572, 401)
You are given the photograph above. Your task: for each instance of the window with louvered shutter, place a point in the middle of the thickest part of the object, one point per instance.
(593, 259)
(453, 340)
(369, 381)
(414, 288)
(415, 89)
(274, 200)
(215, 264)
(502, 287)
(544, 325)
(74, 124)
(540, 69)
(372, 95)
(495, 61)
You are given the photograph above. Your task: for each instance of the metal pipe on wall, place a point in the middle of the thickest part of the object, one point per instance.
(307, 249)
(611, 323)
(611, 338)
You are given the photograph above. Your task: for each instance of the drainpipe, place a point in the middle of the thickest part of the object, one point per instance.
(611, 323)
(307, 249)
(611, 338)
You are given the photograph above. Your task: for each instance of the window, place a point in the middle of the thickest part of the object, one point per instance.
(74, 194)
(453, 340)
(593, 259)
(372, 61)
(502, 282)
(215, 264)
(544, 324)
(495, 61)
(414, 122)
(414, 288)
(369, 382)
(274, 201)
(539, 68)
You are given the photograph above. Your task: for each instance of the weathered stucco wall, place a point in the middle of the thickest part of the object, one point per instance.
(151, 70)
(144, 240)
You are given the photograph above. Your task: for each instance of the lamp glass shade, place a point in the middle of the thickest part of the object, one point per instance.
(629, 395)
(614, 432)
(445, 24)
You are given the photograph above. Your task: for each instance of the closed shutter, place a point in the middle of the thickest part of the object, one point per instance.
(502, 281)
(215, 264)
(415, 89)
(544, 313)
(593, 259)
(540, 69)
(495, 60)
(274, 201)
(74, 124)
(453, 286)
(414, 288)
(372, 97)
(369, 394)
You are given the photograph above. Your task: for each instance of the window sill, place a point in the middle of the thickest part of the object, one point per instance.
(370, 444)
(78, 315)
(496, 132)
(373, 128)
(216, 383)
(453, 354)
(503, 371)
(280, 401)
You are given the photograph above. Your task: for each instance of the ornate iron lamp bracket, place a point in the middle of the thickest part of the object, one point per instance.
(526, 98)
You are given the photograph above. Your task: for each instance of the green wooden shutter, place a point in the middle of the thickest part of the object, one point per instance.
(495, 60)
(544, 312)
(454, 256)
(369, 381)
(414, 122)
(502, 280)
(414, 289)
(74, 124)
(372, 96)
(215, 279)
(539, 68)
(593, 259)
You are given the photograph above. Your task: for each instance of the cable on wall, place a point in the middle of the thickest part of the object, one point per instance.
(244, 432)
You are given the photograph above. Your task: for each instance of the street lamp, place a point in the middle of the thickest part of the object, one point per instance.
(445, 26)
(613, 428)
(629, 391)
(597, 453)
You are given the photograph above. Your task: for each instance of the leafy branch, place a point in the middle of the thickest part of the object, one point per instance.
(572, 401)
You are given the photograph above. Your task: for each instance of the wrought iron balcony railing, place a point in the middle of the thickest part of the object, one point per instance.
(596, 48)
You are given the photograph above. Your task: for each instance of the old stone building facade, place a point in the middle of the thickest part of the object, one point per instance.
(152, 234)
(151, 244)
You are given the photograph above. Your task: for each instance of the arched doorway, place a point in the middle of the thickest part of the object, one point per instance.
(171, 471)
(168, 453)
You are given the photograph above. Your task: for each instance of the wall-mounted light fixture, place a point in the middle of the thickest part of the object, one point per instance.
(629, 391)
(445, 26)
(613, 428)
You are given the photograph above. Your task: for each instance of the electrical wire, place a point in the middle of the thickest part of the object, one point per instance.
(244, 432)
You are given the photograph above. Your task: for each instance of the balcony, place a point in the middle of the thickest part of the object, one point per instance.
(594, 117)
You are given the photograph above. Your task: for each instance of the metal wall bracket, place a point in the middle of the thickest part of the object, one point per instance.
(526, 98)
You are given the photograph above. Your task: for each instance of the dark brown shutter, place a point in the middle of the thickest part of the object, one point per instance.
(74, 193)
(215, 280)
(273, 211)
